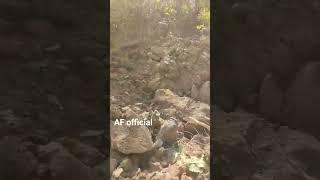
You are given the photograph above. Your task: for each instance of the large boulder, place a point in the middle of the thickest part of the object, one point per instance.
(248, 147)
(288, 31)
(130, 139)
(285, 153)
(303, 99)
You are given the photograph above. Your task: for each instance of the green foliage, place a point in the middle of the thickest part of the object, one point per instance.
(196, 165)
(205, 16)
(139, 19)
(201, 27)
(169, 10)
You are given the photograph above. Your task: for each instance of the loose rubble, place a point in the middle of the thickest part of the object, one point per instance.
(176, 145)
(52, 90)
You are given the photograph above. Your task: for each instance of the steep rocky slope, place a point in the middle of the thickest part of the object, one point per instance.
(267, 60)
(166, 81)
(52, 87)
(266, 63)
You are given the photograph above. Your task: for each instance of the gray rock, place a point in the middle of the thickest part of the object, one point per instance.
(303, 100)
(159, 51)
(196, 114)
(130, 139)
(168, 132)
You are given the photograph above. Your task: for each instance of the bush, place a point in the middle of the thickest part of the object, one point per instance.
(144, 19)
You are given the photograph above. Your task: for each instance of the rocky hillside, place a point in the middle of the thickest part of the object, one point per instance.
(168, 81)
(52, 90)
(249, 147)
(267, 60)
(266, 84)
